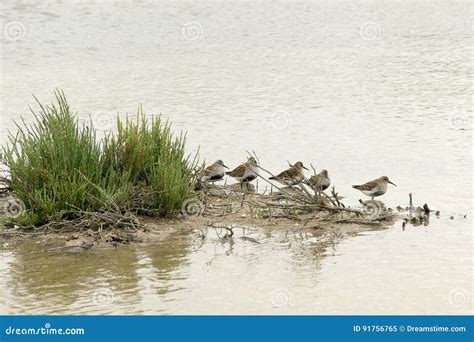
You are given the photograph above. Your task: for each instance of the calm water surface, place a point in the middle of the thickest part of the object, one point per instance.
(361, 89)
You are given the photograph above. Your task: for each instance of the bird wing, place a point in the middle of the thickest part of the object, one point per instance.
(209, 170)
(315, 180)
(238, 171)
(367, 186)
(288, 173)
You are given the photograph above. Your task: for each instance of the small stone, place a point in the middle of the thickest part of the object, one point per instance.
(243, 215)
(451, 217)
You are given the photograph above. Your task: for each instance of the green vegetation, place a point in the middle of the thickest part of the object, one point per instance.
(59, 167)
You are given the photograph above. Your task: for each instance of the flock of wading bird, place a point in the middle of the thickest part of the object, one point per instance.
(248, 171)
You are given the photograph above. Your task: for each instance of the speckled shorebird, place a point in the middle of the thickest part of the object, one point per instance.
(321, 181)
(291, 176)
(374, 188)
(245, 172)
(214, 172)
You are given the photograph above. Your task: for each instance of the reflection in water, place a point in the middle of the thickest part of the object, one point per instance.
(59, 280)
(166, 257)
(42, 280)
(255, 271)
(158, 277)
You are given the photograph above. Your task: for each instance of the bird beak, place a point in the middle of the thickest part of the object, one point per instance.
(304, 167)
(225, 166)
(392, 183)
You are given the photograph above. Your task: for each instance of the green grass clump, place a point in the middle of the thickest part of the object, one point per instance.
(147, 155)
(58, 166)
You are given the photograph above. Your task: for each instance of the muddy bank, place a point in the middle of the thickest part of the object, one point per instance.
(230, 211)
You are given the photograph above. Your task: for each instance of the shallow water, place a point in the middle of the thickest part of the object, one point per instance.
(391, 271)
(362, 90)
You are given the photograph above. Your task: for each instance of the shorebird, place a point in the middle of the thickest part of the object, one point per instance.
(214, 172)
(245, 172)
(291, 176)
(376, 187)
(321, 181)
